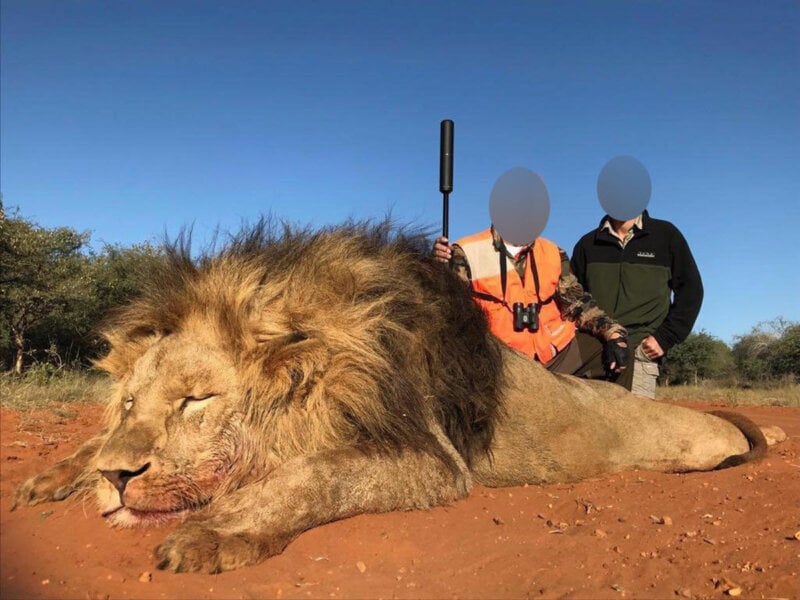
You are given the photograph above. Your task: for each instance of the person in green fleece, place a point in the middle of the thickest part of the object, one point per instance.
(640, 271)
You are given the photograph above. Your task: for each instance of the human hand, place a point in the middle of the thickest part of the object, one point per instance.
(651, 348)
(615, 353)
(441, 250)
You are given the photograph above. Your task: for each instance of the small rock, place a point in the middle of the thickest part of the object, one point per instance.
(684, 593)
(361, 566)
(146, 577)
(665, 520)
(45, 582)
(600, 533)
(797, 535)
(736, 591)
(773, 434)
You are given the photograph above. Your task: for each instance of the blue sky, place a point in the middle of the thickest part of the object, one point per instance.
(132, 117)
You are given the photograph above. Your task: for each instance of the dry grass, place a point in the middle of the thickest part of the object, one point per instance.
(784, 395)
(35, 391)
(66, 387)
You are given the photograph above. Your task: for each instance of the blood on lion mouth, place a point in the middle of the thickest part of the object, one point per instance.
(124, 516)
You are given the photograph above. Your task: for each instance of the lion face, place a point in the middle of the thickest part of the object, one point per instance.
(279, 348)
(172, 440)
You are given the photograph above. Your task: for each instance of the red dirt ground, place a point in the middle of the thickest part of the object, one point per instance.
(635, 535)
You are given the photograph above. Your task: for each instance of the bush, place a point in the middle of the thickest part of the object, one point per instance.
(701, 357)
(771, 351)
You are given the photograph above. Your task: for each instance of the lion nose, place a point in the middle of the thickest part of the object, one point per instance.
(120, 478)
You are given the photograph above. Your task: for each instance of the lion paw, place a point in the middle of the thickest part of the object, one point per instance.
(195, 547)
(49, 486)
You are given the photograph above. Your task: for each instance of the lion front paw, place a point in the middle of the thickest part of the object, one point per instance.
(195, 547)
(49, 486)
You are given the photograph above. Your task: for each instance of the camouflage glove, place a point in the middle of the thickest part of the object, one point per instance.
(615, 352)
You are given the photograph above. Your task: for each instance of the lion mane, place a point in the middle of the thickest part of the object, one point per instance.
(347, 335)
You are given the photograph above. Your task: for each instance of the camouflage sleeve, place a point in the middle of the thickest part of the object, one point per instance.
(576, 304)
(459, 263)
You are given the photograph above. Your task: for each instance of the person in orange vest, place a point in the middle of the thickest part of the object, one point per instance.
(535, 304)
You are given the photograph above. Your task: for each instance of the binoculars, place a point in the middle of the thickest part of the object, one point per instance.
(526, 317)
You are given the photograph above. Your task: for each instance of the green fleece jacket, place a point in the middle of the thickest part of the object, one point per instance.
(651, 286)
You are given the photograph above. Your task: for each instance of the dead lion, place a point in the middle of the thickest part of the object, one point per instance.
(291, 380)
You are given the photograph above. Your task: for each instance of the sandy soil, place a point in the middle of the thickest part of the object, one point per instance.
(636, 535)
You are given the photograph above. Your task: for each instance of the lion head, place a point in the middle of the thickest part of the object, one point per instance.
(286, 343)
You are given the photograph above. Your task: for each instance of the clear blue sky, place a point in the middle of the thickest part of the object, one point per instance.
(132, 117)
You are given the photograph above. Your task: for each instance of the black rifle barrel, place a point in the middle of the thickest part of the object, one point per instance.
(446, 170)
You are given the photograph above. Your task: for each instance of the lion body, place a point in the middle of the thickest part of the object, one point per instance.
(295, 379)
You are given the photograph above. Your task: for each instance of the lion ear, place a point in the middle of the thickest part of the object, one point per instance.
(273, 339)
(295, 337)
(125, 351)
(114, 363)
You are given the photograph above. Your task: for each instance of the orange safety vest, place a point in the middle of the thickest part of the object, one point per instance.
(554, 333)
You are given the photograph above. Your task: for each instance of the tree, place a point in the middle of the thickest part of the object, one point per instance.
(118, 272)
(43, 274)
(771, 350)
(785, 353)
(700, 357)
(54, 290)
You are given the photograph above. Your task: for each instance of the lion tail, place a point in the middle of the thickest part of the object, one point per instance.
(754, 435)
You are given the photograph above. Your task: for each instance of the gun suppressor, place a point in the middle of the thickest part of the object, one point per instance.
(446, 157)
(446, 171)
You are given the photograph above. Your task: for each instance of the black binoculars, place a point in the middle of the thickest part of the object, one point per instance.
(525, 317)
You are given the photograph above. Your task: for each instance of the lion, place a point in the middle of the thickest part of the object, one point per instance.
(296, 377)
